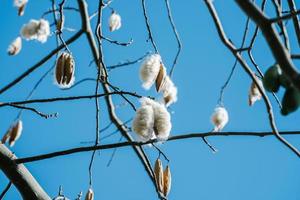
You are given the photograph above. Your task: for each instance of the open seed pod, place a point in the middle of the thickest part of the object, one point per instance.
(13, 133)
(158, 172)
(160, 79)
(15, 47)
(167, 181)
(64, 70)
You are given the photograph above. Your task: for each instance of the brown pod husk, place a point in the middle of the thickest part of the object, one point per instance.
(13, 133)
(158, 172)
(167, 178)
(64, 70)
(89, 195)
(160, 78)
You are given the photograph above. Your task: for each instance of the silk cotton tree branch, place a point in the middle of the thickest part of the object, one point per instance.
(139, 144)
(279, 52)
(247, 69)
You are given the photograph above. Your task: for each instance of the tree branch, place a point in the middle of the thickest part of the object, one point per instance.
(20, 176)
(139, 144)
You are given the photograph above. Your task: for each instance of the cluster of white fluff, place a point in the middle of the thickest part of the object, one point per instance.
(114, 21)
(149, 70)
(152, 120)
(152, 70)
(169, 91)
(219, 118)
(254, 93)
(15, 47)
(36, 30)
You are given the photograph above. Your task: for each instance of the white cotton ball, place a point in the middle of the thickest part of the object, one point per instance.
(169, 91)
(36, 30)
(143, 122)
(162, 121)
(43, 31)
(219, 118)
(149, 70)
(254, 93)
(114, 21)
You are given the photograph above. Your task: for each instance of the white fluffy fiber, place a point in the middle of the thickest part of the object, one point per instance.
(149, 70)
(152, 120)
(36, 30)
(254, 93)
(169, 91)
(114, 21)
(20, 3)
(143, 122)
(15, 47)
(219, 118)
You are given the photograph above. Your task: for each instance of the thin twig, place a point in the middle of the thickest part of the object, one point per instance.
(5, 190)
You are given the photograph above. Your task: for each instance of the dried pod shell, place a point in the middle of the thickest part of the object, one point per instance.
(89, 195)
(167, 181)
(64, 70)
(15, 47)
(13, 134)
(158, 172)
(21, 10)
(160, 78)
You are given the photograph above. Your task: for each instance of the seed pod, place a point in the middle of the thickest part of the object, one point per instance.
(290, 101)
(114, 21)
(167, 181)
(20, 4)
(160, 78)
(158, 172)
(271, 80)
(89, 195)
(13, 134)
(64, 70)
(15, 47)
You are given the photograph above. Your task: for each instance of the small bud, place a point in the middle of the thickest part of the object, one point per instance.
(219, 118)
(167, 181)
(13, 134)
(114, 21)
(15, 47)
(64, 70)
(254, 93)
(89, 195)
(158, 172)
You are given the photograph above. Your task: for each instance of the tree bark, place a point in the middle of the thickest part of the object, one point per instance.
(18, 174)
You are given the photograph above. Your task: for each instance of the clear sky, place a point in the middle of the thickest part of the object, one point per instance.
(244, 168)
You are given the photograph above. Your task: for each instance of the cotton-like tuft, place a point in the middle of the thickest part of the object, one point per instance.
(169, 91)
(254, 93)
(13, 134)
(152, 121)
(149, 70)
(219, 118)
(114, 21)
(36, 30)
(15, 47)
(143, 122)
(162, 121)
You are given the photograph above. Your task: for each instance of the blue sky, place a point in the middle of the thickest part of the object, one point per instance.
(244, 167)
